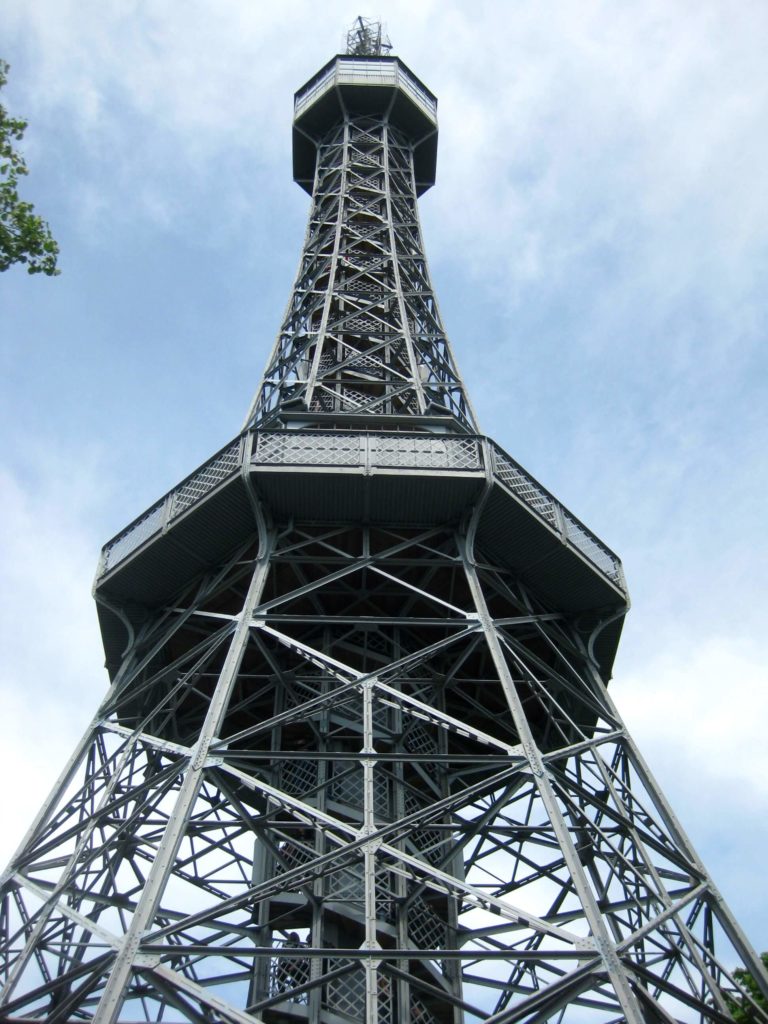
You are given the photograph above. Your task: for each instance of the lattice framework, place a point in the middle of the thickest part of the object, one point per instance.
(361, 768)
(362, 334)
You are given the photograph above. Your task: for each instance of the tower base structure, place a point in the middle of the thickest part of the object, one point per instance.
(354, 766)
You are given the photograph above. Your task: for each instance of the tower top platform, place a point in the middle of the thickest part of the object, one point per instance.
(365, 84)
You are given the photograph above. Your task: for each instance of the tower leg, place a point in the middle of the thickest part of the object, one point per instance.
(363, 774)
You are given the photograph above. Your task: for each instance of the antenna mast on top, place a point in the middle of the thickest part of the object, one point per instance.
(367, 38)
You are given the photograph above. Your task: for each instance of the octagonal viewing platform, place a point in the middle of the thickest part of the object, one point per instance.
(379, 477)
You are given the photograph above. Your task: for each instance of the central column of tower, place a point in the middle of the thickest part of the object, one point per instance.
(362, 346)
(351, 770)
(362, 341)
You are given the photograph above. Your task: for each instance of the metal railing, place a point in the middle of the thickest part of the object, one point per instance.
(314, 88)
(366, 450)
(382, 71)
(544, 504)
(197, 485)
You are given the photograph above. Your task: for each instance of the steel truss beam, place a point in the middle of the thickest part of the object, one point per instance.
(362, 775)
(362, 333)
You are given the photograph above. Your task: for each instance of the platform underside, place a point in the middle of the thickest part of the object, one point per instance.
(368, 479)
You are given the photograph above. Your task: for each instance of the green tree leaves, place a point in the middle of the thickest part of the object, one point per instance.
(24, 236)
(742, 1010)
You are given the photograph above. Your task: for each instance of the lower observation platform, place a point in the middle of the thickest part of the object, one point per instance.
(374, 477)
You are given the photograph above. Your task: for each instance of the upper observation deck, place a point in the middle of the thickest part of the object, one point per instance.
(376, 85)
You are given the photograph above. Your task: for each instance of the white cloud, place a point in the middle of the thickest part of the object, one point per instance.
(51, 675)
(636, 128)
(700, 710)
(696, 702)
(631, 130)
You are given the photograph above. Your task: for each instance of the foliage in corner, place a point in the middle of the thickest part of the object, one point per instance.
(742, 1010)
(24, 236)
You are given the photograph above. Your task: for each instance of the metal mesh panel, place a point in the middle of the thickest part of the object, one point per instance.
(386, 897)
(360, 261)
(314, 449)
(365, 230)
(590, 546)
(518, 481)
(425, 928)
(299, 776)
(420, 1014)
(423, 452)
(362, 323)
(347, 885)
(346, 995)
(212, 473)
(428, 842)
(371, 289)
(357, 180)
(380, 796)
(346, 787)
(133, 537)
(350, 399)
(419, 741)
(385, 999)
(464, 452)
(287, 973)
(367, 158)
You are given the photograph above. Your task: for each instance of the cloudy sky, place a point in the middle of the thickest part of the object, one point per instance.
(598, 238)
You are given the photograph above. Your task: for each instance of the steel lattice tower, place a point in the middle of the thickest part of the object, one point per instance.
(357, 761)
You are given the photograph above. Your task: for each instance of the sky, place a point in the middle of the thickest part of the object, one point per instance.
(598, 240)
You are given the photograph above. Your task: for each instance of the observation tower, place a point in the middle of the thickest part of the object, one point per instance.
(357, 761)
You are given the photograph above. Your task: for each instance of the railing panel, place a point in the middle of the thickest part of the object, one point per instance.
(188, 493)
(424, 452)
(366, 450)
(317, 87)
(289, 972)
(524, 486)
(133, 536)
(211, 474)
(351, 72)
(574, 532)
(307, 448)
(595, 550)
